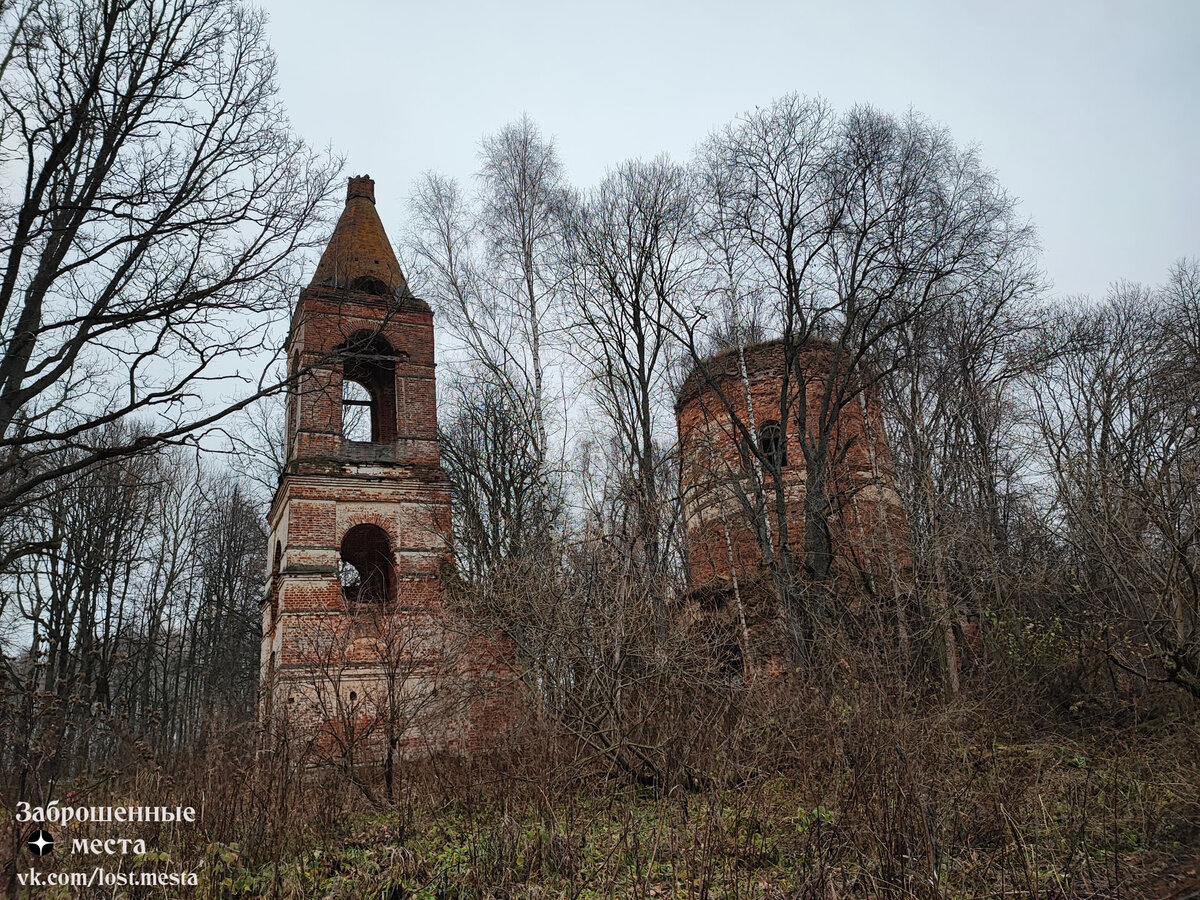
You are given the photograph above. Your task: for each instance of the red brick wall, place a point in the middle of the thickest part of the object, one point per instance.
(867, 526)
(319, 651)
(326, 319)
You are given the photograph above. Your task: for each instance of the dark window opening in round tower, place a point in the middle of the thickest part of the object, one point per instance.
(365, 565)
(770, 441)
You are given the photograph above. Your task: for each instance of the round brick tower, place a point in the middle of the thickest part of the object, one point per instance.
(732, 398)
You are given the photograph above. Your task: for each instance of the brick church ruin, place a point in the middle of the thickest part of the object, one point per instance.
(359, 645)
(360, 648)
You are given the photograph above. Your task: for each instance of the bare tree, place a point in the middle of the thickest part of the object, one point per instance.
(487, 265)
(1117, 410)
(628, 259)
(522, 195)
(492, 458)
(157, 202)
(852, 231)
(635, 697)
(954, 411)
(766, 215)
(141, 628)
(379, 686)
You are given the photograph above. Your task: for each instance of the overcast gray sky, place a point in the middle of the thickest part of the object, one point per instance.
(1088, 111)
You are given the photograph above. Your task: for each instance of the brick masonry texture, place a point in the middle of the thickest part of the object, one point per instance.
(867, 526)
(332, 668)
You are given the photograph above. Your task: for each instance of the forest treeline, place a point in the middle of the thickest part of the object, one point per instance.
(1043, 447)
(1044, 450)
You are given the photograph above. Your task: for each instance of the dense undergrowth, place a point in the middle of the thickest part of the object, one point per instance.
(809, 796)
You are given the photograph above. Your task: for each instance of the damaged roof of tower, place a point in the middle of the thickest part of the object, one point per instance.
(359, 255)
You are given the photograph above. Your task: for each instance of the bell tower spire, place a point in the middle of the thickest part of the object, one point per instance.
(359, 255)
(359, 527)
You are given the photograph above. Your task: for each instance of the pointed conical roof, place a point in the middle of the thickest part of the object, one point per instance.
(359, 255)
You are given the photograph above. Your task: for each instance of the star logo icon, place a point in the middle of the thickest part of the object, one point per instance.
(40, 843)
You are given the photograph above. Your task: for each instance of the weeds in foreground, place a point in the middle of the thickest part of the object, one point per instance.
(838, 798)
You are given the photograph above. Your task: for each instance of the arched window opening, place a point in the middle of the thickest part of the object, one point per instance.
(770, 441)
(368, 390)
(358, 412)
(365, 566)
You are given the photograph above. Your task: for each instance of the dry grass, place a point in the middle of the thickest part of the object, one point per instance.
(821, 793)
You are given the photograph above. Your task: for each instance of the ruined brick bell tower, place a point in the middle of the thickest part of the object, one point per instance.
(352, 638)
